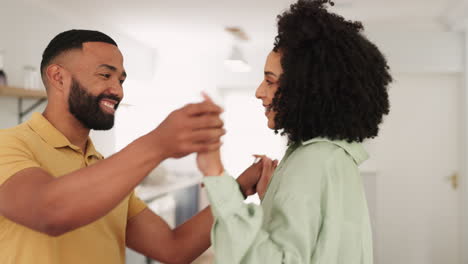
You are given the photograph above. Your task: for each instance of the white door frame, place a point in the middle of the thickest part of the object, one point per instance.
(463, 160)
(456, 20)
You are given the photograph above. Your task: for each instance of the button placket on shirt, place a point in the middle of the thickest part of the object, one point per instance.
(88, 160)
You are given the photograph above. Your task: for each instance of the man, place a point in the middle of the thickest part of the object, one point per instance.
(61, 202)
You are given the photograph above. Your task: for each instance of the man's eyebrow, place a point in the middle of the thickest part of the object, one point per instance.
(112, 68)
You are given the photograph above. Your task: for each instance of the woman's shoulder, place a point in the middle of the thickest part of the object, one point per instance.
(320, 150)
(313, 152)
(305, 164)
(312, 160)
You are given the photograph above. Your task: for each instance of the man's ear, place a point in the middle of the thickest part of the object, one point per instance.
(55, 76)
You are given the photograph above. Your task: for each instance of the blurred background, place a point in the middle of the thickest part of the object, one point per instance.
(173, 50)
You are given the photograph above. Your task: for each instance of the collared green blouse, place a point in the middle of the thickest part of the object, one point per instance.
(314, 210)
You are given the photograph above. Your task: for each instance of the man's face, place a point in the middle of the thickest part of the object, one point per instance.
(92, 111)
(97, 75)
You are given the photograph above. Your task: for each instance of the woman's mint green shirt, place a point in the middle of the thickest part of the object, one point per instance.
(314, 210)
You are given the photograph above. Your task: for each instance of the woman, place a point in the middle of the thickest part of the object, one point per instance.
(325, 88)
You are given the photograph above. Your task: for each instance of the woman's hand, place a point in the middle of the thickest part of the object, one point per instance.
(209, 163)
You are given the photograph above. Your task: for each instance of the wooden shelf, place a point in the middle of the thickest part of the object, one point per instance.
(22, 93)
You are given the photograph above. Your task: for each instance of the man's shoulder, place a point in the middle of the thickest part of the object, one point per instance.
(19, 133)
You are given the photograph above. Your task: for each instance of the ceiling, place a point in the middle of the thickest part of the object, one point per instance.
(153, 21)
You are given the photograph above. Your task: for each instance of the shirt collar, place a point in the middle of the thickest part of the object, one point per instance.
(354, 149)
(54, 137)
(91, 150)
(48, 132)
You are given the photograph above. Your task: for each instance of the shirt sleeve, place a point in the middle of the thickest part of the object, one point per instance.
(14, 157)
(135, 205)
(239, 236)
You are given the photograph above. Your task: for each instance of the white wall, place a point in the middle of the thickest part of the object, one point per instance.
(420, 51)
(417, 150)
(26, 30)
(182, 72)
(406, 154)
(409, 49)
(422, 58)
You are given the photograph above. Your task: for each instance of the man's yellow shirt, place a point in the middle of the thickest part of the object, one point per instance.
(37, 143)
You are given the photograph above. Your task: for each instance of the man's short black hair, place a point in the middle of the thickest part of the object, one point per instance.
(334, 81)
(69, 40)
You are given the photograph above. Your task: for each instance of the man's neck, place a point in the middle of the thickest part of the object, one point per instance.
(69, 126)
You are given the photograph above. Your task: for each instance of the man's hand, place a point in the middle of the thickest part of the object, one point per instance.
(249, 178)
(193, 128)
(268, 167)
(255, 178)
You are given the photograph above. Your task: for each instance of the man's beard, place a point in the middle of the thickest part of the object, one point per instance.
(86, 108)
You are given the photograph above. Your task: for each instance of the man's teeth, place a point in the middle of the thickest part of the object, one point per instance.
(108, 105)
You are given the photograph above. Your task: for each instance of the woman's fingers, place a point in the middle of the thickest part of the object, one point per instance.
(258, 158)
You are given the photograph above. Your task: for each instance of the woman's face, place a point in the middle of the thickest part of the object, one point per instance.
(267, 89)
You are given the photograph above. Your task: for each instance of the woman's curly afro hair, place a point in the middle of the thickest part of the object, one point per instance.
(334, 81)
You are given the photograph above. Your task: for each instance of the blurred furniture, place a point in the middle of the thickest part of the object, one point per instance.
(20, 93)
(175, 199)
